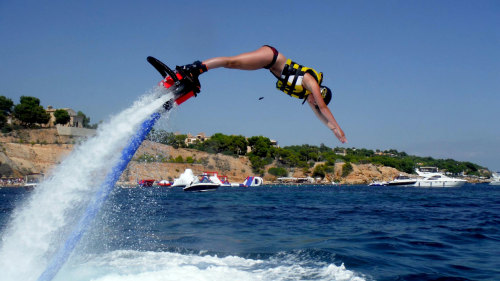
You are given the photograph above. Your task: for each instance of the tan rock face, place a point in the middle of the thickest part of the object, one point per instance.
(38, 151)
(366, 173)
(235, 168)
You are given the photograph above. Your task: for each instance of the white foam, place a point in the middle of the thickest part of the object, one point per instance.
(185, 178)
(40, 225)
(166, 266)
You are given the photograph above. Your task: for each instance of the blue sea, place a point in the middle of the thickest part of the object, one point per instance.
(288, 233)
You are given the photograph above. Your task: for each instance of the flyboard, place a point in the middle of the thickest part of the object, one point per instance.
(183, 86)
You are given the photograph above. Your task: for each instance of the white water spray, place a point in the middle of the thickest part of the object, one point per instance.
(39, 226)
(185, 178)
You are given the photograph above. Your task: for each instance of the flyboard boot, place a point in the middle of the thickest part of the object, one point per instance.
(183, 82)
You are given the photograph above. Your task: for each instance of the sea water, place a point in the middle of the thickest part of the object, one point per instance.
(288, 233)
(41, 223)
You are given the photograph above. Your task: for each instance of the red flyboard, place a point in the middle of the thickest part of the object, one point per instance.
(182, 84)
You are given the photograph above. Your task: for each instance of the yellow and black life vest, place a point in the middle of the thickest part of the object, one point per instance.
(290, 81)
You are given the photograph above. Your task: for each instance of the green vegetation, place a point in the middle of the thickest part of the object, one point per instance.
(62, 117)
(160, 136)
(346, 169)
(6, 105)
(220, 143)
(149, 158)
(321, 170)
(86, 121)
(322, 158)
(30, 112)
(278, 171)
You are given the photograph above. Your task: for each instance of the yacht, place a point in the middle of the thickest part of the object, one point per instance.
(431, 177)
(496, 179)
(203, 182)
(378, 183)
(401, 180)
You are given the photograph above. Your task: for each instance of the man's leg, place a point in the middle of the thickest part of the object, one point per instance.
(247, 61)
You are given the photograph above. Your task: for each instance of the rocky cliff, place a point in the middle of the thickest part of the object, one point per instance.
(38, 151)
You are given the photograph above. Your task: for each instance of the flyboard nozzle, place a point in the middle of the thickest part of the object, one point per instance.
(182, 84)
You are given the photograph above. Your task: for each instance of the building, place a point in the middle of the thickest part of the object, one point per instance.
(274, 143)
(200, 137)
(74, 121)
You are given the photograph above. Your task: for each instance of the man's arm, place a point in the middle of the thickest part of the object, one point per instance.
(319, 107)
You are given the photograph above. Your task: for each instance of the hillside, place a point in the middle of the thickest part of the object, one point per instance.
(38, 151)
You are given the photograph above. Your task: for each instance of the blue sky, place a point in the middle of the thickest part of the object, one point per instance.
(417, 76)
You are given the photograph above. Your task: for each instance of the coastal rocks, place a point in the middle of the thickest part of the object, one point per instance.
(38, 151)
(170, 163)
(32, 158)
(365, 173)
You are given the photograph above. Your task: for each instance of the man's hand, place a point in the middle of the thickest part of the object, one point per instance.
(339, 134)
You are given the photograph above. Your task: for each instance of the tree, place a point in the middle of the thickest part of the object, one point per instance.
(30, 112)
(238, 145)
(6, 105)
(261, 146)
(346, 169)
(62, 116)
(86, 120)
(319, 171)
(3, 123)
(278, 171)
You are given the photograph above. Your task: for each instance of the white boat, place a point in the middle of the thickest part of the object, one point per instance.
(378, 183)
(431, 177)
(496, 179)
(184, 179)
(32, 180)
(216, 178)
(203, 182)
(401, 180)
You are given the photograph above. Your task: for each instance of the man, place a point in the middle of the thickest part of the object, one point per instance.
(293, 79)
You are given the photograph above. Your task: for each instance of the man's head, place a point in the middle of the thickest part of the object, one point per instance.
(326, 93)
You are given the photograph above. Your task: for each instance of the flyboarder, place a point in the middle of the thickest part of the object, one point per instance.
(293, 79)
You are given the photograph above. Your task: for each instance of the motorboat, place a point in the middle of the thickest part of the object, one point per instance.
(431, 177)
(147, 182)
(401, 180)
(33, 180)
(378, 183)
(202, 183)
(164, 183)
(185, 178)
(496, 179)
(216, 178)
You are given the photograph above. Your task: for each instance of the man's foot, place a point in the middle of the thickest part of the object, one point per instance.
(194, 69)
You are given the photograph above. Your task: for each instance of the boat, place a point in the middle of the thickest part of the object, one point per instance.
(378, 183)
(184, 179)
(216, 178)
(496, 179)
(401, 180)
(202, 183)
(164, 183)
(431, 177)
(32, 180)
(148, 182)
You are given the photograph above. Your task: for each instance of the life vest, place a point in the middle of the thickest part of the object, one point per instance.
(290, 81)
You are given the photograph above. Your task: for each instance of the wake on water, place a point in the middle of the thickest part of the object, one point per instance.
(41, 224)
(129, 265)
